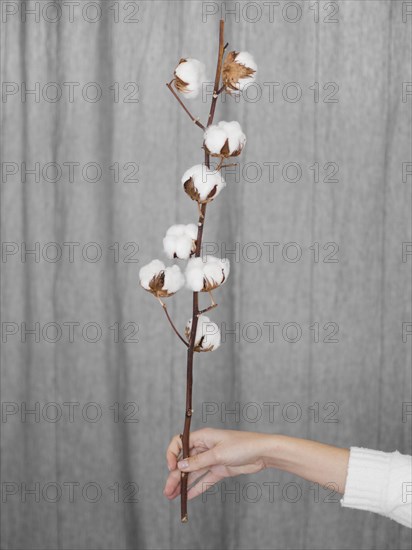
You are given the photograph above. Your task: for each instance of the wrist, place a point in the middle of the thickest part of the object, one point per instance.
(274, 451)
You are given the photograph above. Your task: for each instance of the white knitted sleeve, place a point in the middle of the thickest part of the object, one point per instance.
(381, 483)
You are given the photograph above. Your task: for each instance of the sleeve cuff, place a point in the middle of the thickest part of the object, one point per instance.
(367, 479)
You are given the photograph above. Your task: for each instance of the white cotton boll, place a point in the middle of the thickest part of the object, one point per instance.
(193, 172)
(169, 246)
(150, 270)
(176, 230)
(225, 265)
(160, 280)
(224, 139)
(208, 336)
(214, 139)
(213, 273)
(243, 82)
(202, 184)
(205, 274)
(194, 274)
(246, 59)
(174, 279)
(184, 247)
(239, 69)
(236, 137)
(216, 270)
(191, 230)
(180, 241)
(191, 74)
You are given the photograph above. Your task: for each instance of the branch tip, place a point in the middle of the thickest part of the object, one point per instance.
(186, 110)
(171, 323)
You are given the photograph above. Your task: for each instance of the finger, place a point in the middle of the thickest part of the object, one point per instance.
(173, 451)
(176, 446)
(175, 493)
(197, 462)
(205, 437)
(208, 481)
(194, 476)
(173, 489)
(173, 480)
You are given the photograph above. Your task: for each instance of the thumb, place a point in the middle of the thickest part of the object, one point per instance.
(197, 462)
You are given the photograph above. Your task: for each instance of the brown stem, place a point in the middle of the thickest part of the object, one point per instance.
(199, 207)
(171, 323)
(195, 120)
(190, 351)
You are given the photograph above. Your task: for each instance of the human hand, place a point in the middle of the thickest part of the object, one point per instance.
(214, 454)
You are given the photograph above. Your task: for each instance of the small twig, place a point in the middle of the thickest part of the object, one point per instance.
(199, 206)
(194, 119)
(207, 309)
(211, 297)
(221, 90)
(171, 322)
(212, 305)
(219, 166)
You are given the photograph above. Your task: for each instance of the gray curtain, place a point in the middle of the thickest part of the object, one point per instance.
(315, 323)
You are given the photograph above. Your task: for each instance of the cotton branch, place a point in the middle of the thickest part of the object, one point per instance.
(171, 323)
(196, 312)
(212, 306)
(194, 119)
(202, 184)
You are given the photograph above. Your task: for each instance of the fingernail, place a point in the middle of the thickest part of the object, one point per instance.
(169, 468)
(183, 464)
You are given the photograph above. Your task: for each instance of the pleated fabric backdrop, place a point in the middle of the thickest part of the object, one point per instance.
(315, 314)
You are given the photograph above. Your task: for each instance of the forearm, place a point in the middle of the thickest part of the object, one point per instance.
(316, 462)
